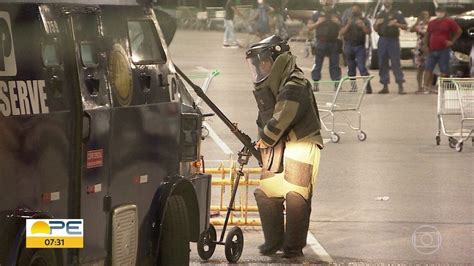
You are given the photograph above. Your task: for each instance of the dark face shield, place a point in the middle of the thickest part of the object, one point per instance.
(260, 66)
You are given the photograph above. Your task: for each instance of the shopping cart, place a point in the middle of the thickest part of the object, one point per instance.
(341, 97)
(456, 100)
(198, 101)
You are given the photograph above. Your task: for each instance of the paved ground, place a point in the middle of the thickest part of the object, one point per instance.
(393, 198)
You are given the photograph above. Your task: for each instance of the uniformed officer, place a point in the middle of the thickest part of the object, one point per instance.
(289, 128)
(327, 24)
(355, 29)
(388, 24)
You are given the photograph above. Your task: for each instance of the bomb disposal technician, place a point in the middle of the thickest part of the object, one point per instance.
(290, 143)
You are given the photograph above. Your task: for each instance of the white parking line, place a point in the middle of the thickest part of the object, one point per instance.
(317, 248)
(218, 140)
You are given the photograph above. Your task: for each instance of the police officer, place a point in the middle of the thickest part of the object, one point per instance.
(327, 24)
(354, 31)
(289, 128)
(388, 24)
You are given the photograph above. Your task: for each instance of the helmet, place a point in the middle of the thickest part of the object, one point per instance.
(261, 56)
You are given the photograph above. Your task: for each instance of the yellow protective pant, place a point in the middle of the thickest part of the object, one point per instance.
(298, 153)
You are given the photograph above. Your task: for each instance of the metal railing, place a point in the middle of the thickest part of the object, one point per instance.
(242, 213)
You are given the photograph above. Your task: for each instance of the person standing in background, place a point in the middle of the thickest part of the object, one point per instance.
(262, 20)
(388, 23)
(327, 24)
(279, 18)
(441, 34)
(354, 32)
(229, 35)
(420, 28)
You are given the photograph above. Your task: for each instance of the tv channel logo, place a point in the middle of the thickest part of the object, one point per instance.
(54, 233)
(426, 239)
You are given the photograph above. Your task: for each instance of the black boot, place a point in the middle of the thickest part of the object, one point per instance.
(369, 88)
(298, 211)
(384, 90)
(400, 89)
(271, 215)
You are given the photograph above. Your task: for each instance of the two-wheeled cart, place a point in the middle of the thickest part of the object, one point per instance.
(456, 102)
(234, 241)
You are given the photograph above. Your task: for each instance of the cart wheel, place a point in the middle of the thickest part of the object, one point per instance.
(362, 136)
(452, 142)
(335, 138)
(204, 132)
(459, 147)
(234, 244)
(206, 244)
(438, 140)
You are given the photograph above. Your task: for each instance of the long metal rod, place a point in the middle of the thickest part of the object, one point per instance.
(231, 203)
(244, 138)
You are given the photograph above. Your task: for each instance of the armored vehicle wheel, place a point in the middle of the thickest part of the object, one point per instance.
(362, 136)
(335, 137)
(38, 257)
(206, 244)
(174, 242)
(234, 244)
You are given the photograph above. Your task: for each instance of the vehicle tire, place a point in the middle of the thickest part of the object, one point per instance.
(37, 257)
(206, 244)
(234, 245)
(174, 241)
(373, 59)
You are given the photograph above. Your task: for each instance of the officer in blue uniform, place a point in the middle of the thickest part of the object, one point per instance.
(355, 31)
(388, 24)
(327, 24)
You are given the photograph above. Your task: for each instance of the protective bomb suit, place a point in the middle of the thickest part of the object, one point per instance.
(289, 128)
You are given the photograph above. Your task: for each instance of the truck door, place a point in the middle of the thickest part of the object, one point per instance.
(85, 27)
(144, 123)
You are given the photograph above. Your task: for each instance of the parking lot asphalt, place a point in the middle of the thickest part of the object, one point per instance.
(395, 198)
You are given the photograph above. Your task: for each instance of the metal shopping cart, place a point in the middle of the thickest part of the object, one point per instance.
(456, 100)
(341, 97)
(205, 87)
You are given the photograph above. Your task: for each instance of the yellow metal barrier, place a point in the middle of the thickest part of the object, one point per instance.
(240, 213)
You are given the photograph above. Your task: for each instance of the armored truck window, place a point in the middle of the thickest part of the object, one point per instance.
(88, 54)
(144, 43)
(50, 55)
